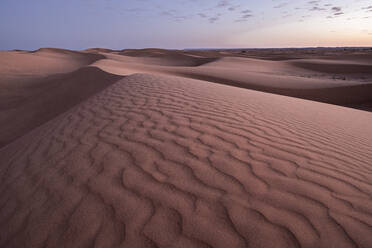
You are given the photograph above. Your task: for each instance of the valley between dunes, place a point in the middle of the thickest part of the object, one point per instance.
(171, 148)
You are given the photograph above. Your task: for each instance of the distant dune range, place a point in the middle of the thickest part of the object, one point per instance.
(155, 148)
(341, 82)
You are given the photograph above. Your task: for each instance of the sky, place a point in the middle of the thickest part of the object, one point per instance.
(174, 24)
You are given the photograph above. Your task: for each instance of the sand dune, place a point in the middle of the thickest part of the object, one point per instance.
(25, 107)
(43, 62)
(37, 86)
(314, 79)
(167, 57)
(156, 161)
(334, 66)
(172, 156)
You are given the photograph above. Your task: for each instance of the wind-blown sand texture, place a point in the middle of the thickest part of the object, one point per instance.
(37, 86)
(344, 80)
(154, 160)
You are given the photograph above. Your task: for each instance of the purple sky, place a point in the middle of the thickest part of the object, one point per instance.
(118, 24)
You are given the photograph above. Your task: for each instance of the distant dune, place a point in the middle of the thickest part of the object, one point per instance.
(158, 148)
(43, 62)
(344, 81)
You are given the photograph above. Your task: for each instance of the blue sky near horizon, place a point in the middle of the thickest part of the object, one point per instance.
(118, 24)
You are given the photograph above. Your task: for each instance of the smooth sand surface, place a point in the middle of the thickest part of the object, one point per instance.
(43, 62)
(342, 82)
(155, 148)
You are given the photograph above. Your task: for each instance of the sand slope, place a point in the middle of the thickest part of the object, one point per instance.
(167, 57)
(25, 106)
(341, 82)
(38, 85)
(43, 62)
(158, 161)
(334, 66)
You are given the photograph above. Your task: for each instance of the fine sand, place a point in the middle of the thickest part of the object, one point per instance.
(343, 81)
(151, 148)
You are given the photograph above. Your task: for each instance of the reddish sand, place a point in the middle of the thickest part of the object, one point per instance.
(43, 62)
(342, 81)
(162, 160)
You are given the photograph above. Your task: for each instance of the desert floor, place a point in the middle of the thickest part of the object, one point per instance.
(186, 148)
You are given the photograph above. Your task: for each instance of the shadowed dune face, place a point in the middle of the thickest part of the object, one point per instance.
(354, 54)
(343, 67)
(162, 57)
(168, 162)
(43, 62)
(37, 86)
(317, 75)
(26, 106)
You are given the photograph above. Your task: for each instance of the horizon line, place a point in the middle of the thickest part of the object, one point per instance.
(201, 48)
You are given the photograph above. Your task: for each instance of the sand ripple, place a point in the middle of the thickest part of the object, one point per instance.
(158, 161)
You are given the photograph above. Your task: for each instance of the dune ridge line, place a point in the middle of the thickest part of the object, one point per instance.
(159, 161)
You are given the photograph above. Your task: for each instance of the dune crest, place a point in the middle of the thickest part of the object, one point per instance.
(42, 62)
(156, 161)
(26, 106)
(342, 81)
